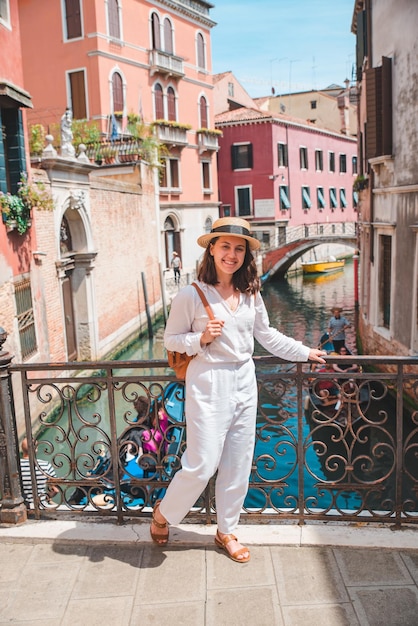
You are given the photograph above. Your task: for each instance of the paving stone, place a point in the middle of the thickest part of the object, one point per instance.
(184, 614)
(171, 575)
(307, 576)
(323, 614)
(108, 571)
(224, 573)
(386, 606)
(13, 559)
(99, 612)
(373, 567)
(410, 559)
(243, 607)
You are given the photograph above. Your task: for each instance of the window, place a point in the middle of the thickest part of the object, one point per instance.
(319, 160)
(313, 104)
(355, 199)
(343, 163)
(12, 149)
(303, 157)
(385, 278)
(225, 211)
(203, 112)
(320, 198)
(306, 198)
(113, 17)
(379, 109)
(5, 12)
(354, 165)
(333, 198)
(231, 90)
(242, 156)
(78, 100)
(201, 63)
(170, 178)
(168, 36)
(171, 105)
(72, 19)
(25, 317)
(343, 199)
(331, 166)
(282, 154)
(284, 197)
(155, 32)
(243, 201)
(158, 102)
(117, 92)
(206, 184)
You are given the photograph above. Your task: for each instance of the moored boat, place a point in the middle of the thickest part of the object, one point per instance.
(322, 267)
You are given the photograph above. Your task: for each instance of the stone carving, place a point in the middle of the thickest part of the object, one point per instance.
(67, 148)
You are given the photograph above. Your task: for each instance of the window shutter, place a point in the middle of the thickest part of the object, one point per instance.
(203, 113)
(114, 30)
(73, 18)
(386, 105)
(171, 104)
(234, 159)
(168, 36)
(117, 92)
(250, 155)
(156, 40)
(361, 42)
(374, 112)
(158, 102)
(78, 95)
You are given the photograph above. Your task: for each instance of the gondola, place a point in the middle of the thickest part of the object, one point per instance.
(136, 467)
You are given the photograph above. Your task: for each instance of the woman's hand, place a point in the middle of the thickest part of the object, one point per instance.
(213, 330)
(316, 355)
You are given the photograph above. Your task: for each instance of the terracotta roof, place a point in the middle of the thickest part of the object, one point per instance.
(243, 114)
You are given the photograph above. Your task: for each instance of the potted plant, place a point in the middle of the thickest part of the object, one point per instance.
(16, 208)
(360, 183)
(36, 139)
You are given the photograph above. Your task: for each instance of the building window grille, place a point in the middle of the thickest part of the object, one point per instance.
(25, 318)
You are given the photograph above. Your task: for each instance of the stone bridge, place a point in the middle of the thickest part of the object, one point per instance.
(297, 240)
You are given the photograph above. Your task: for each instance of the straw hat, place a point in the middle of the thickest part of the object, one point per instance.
(227, 226)
(336, 308)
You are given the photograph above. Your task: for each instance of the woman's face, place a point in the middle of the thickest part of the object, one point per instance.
(228, 254)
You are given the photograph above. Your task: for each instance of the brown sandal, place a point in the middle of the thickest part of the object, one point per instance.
(159, 538)
(222, 543)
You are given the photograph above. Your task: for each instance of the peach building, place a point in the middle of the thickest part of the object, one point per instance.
(109, 60)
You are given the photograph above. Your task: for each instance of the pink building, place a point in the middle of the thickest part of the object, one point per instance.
(281, 172)
(110, 60)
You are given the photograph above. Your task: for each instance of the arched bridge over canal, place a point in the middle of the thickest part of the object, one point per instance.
(297, 240)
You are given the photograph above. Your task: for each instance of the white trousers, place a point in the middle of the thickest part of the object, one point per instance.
(220, 409)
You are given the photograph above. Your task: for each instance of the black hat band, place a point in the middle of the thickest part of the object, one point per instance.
(233, 229)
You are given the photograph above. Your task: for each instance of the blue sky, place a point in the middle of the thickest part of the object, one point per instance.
(304, 44)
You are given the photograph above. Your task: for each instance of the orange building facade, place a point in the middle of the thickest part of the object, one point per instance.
(108, 61)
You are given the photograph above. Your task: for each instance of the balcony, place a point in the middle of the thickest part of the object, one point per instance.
(207, 141)
(167, 64)
(172, 133)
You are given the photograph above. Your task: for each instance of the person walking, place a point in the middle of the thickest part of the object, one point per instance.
(43, 472)
(336, 328)
(176, 265)
(220, 388)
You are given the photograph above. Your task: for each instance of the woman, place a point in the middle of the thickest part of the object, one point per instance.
(221, 390)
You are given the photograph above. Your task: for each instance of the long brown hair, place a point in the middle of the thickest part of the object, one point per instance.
(245, 279)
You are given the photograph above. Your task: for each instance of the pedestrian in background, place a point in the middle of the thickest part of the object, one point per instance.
(176, 265)
(221, 387)
(336, 328)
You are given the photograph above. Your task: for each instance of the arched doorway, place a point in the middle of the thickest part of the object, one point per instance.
(74, 269)
(172, 239)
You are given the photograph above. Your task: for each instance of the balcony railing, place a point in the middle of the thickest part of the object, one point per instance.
(348, 456)
(208, 142)
(168, 64)
(171, 134)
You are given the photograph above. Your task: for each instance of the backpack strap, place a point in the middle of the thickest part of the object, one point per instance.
(204, 301)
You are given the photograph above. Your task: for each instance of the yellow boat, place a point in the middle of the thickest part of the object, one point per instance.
(322, 267)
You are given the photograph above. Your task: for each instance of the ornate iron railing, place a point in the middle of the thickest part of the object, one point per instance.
(347, 452)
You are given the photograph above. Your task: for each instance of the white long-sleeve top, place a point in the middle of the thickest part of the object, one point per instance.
(188, 319)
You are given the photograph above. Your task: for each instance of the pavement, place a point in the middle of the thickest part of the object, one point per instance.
(71, 573)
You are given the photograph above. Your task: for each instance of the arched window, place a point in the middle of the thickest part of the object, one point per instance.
(113, 16)
(156, 35)
(171, 104)
(208, 225)
(158, 102)
(201, 51)
(203, 111)
(168, 36)
(117, 92)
